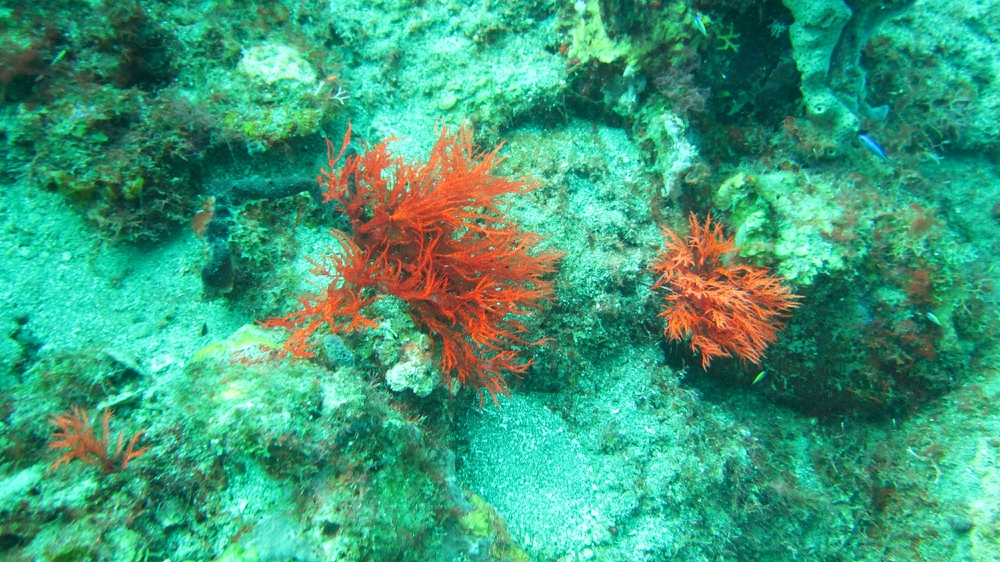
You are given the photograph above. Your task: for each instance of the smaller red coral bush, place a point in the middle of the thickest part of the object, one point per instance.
(434, 234)
(724, 308)
(74, 432)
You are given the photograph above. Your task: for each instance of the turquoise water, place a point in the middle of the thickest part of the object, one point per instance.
(725, 290)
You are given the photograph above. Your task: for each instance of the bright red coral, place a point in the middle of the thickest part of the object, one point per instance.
(725, 309)
(74, 432)
(436, 235)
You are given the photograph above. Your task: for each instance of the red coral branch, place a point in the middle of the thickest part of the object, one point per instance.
(435, 235)
(339, 305)
(75, 433)
(725, 309)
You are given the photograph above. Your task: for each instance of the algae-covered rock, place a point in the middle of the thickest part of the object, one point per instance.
(888, 319)
(415, 369)
(248, 343)
(674, 152)
(791, 220)
(374, 475)
(273, 95)
(815, 34)
(273, 63)
(591, 39)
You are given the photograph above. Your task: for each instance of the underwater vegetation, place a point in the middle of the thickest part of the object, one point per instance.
(765, 115)
(434, 235)
(266, 439)
(724, 309)
(113, 113)
(664, 199)
(75, 433)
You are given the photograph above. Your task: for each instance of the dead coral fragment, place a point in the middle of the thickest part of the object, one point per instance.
(434, 234)
(75, 433)
(725, 309)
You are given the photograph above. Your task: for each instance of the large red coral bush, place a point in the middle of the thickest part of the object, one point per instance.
(724, 308)
(436, 235)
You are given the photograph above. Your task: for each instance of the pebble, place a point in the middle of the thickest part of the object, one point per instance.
(447, 101)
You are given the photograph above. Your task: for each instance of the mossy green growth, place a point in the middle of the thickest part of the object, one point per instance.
(483, 521)
(262, 126)
(790, 219)
(245, 343)
(478, 521)
(676, 29)
(591, 39)
(237, 553)
(673, 26)
(127, 159)
(273, 95)
(373, 475)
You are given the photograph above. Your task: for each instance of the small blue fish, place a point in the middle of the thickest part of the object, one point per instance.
(759, 378)
(932, 318)
(700, 25)
(872, 146)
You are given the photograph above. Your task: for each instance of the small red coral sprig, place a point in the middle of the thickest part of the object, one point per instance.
(74, 432)
(434, 234)
(725, 309)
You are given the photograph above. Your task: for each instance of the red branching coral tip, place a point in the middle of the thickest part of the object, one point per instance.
(434, 234)
(725, 309)
(74, 432)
